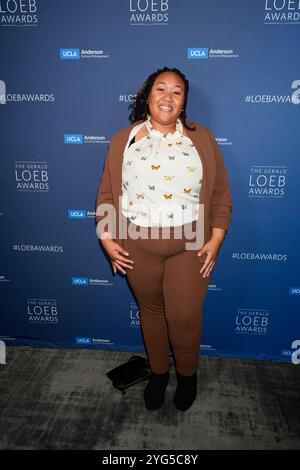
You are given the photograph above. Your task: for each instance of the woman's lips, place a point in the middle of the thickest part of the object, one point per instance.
(166, 109)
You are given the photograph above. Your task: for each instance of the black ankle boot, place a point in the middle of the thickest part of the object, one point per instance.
(154, 393)
(186, 391)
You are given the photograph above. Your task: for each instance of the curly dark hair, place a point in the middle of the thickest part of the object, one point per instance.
(140, 107)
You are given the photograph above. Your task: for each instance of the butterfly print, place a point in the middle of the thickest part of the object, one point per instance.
(169, 178)
(168, 196)
(154, 167)
(171, 157)
(140, 196)
(151, 187)
(191, 169)
(187, 191)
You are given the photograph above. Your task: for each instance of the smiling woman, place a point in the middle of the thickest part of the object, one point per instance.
(164, 95)
(166, 101)
(165, 168)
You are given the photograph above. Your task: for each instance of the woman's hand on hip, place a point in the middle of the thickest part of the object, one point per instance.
(115, 252)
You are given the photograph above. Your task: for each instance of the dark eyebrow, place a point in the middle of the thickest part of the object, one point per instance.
(179, 86)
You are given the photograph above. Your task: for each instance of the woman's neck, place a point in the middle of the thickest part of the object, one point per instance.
(163, 128)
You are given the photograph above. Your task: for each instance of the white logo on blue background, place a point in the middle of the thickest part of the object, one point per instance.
(70, 53)
(73, 138)
(294, 290)
(77, 214)
(83, 340)
(80, 281)
(197, 53)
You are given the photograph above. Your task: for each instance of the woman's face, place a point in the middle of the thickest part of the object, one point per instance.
(166, 98)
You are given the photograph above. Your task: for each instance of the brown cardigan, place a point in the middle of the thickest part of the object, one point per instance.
(215, 191)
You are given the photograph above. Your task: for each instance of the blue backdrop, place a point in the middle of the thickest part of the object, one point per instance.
(68, 72)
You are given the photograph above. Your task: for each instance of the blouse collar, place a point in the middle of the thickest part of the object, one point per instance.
(170, 135)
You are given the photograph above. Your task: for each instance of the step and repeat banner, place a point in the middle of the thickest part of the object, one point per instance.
(68, 72)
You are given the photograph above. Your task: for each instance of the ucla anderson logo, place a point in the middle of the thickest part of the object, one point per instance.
(80, 281)
(70, 54)
(77, 214)
(83, 340)
(197, 53)
(73, 138)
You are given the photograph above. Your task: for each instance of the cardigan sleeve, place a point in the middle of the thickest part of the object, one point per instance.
(221, 201)
(104, 194)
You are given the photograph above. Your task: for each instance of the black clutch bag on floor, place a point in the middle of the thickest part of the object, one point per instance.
(133, 371)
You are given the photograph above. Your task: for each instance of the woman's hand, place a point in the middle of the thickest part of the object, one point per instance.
(211, 248)
(115, 252)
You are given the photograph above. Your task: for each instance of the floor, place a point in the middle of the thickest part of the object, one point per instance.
(62, 399)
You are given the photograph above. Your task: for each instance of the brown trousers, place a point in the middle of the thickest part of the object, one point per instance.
(170, 291)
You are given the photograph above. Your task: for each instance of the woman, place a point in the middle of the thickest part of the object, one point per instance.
(163, 175)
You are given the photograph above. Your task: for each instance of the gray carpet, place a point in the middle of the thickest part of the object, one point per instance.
(61, 399)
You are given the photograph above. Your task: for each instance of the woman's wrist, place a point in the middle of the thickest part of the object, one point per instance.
(218, 234)
(106, 236)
